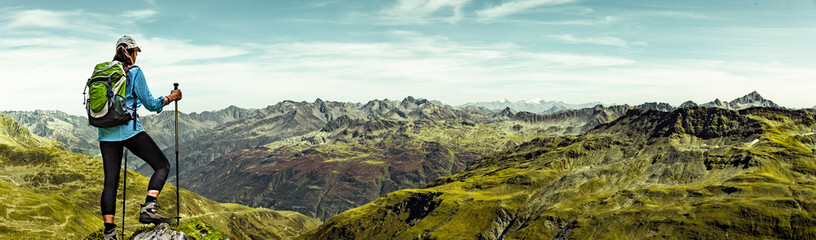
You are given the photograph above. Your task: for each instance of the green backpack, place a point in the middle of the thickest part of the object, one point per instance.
(105, 102)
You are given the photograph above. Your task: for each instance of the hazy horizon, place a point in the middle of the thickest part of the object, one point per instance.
(532, 101)
(255, 54)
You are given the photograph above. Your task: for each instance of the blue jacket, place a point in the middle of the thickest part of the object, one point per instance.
(143, 97)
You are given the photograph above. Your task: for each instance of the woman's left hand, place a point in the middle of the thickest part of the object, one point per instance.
(175, 95)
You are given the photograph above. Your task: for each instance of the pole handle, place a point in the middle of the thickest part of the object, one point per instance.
(175, 86)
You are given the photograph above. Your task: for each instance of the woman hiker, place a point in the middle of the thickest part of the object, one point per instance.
(113, 139)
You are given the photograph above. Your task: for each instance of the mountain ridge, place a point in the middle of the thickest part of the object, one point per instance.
(534, 106)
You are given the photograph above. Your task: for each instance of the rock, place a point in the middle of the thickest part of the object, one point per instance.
(160, 232)
(665, 107)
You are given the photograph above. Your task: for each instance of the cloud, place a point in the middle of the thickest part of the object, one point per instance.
(39, 18)
(256, 74)
(516, 6)
(418, 11)
(607, 41)
(139, 14)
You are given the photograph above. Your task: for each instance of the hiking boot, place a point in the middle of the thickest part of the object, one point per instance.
(150, 214)
(109, 235)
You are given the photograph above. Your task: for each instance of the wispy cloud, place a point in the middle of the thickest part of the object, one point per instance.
(516, 6)
(139, 14)
(39, 18)
(418, 11)
(392, 68)
(57, 48)
(607, 41)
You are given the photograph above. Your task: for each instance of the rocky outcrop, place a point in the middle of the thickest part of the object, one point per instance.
(160, 232)
(688, 103)
(665, 107)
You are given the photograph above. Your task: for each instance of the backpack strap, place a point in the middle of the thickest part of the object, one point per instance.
(134, 115)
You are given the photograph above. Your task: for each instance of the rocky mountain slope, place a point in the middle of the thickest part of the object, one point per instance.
(161, 127)
(289, 119)
(80, 137)
(73, 131)
(534, 106)
(356, 157)
(695, 173)
(48, 193)
(574, 122)
(753, 99)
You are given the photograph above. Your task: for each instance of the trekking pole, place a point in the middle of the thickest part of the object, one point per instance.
(124, 195)
(178, 194)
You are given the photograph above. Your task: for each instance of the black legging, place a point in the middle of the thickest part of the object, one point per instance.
(143, 147)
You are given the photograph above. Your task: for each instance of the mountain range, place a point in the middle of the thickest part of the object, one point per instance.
(752, 99)
(534, 106)
(694, 173)
(321, 158)
(49, 193)
(340, 156)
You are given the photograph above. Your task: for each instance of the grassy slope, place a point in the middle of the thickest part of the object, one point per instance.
(695, 173)
(49, 193)
(321, 174)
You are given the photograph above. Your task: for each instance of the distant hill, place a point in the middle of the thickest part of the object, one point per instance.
(534, 106)
(694, 173)
(48, 193)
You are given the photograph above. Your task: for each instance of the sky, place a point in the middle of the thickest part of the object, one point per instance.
(253, 54)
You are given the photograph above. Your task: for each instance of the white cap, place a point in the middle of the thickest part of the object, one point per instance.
(129, 43)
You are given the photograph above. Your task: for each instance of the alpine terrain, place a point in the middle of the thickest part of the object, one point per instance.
(49, 193)
(694, 173)
(345, 155)
(341, 156)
